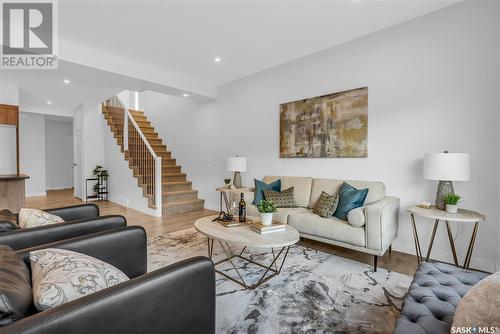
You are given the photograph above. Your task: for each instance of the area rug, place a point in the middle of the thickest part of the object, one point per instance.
(316, 292)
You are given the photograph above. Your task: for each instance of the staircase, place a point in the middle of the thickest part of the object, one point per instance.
(177, 195)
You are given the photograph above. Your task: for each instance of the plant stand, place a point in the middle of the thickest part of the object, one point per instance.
(102, 186)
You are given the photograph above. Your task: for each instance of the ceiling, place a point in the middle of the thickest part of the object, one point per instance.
(249, 36)
(184, 37)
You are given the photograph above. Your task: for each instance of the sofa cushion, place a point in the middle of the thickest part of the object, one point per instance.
(433, 296)
(281, 215)
(376, 190)
(261, 186)
(349, 198)
(328, 228)
(15, 287)
(326, 205)
(480, 305)
(60, 276)
(356, 217)
(34, 217)
(302, 187)
(283, 199)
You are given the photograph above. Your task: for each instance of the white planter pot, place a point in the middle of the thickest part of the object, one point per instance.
(266, 218)
(450, 208)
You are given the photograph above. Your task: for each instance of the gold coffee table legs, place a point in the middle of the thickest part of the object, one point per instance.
(450, 238)
(274, 268)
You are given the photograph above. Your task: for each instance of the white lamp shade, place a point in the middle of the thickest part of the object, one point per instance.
(447, 166)
(237, 164)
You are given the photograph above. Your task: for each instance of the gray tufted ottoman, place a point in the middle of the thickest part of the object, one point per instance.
(434, 294)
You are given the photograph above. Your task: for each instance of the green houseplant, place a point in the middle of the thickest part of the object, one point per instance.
(99, 173)
(227, 183)
(266, 209)
(451, 200)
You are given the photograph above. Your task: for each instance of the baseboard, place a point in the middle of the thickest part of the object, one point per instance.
(445, 256)
(36, 194)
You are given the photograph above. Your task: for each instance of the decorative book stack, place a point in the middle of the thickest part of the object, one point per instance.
(265, 229)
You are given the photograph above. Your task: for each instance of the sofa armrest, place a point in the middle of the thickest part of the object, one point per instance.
(382, 221)
(124, 247)
(76, 212)
(176, 299)
(34, 236)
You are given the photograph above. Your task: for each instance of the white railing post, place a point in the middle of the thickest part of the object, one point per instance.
(158, 186)
(125, 129)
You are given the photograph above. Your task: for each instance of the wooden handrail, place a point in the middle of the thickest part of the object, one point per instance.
(147, 164)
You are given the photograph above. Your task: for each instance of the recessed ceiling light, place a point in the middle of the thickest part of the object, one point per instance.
(49, 102)
(217, 59)
(185, 95)
(67, 81)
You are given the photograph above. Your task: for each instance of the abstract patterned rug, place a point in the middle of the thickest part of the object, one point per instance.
(315, 293)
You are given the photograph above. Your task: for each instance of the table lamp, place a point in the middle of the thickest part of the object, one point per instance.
(237, 164)
(445, 168)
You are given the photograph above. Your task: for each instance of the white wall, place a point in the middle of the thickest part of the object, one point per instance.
(100, 148)
(58, 154)
(433, 85)
(9, 93)
(7, 149)
(32, 152)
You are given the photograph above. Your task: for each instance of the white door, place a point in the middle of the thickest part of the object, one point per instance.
(77, 164)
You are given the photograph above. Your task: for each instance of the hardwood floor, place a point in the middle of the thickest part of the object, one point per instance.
(399, 262)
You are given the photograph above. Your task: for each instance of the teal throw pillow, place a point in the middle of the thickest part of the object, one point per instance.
(261, 186)
(349, 198)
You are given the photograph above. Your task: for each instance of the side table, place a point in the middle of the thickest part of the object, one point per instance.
(224, 191)
(463, 216)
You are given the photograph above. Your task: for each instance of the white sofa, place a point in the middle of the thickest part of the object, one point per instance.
(376, 224)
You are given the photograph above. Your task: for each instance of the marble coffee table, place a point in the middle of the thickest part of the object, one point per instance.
(244, 236)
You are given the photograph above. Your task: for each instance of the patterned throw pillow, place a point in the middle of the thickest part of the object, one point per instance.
(284, 199)
(261, 186)
(326, 205)
(60, 276)
(33, 218)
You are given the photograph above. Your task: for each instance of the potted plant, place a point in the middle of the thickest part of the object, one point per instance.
(266, 209)
(451, 200)
(99, 173)
(227, 183)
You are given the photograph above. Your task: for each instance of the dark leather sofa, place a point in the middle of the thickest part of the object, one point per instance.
(176, 299)
(79, 220)
(434, 294)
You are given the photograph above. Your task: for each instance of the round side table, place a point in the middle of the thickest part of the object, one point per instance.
(463, 216)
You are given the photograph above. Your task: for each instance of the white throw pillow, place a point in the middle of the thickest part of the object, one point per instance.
(59, 276)
(33, 217)
(356, 217)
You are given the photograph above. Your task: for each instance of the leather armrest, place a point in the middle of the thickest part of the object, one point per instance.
(382, 221)
(76, 212)
(34, 236)
(124, 247)
(176, 299)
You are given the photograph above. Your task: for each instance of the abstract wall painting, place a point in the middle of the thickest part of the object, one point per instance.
(328, 126)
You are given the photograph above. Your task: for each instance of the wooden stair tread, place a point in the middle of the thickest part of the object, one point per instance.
(177, 195)
(185, 202)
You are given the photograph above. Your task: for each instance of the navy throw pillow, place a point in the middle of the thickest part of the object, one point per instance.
(261, 186)
(349, 198)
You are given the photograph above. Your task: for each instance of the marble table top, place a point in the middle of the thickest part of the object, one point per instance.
(462, 216)
(243, 235)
